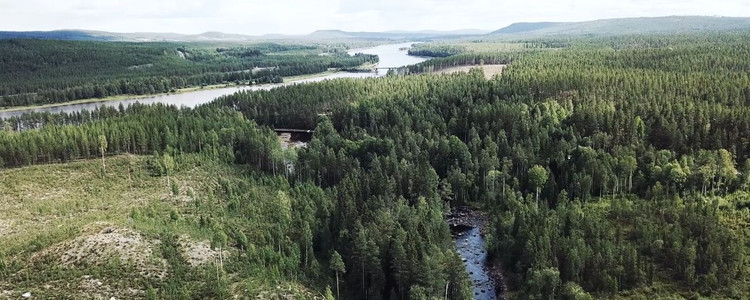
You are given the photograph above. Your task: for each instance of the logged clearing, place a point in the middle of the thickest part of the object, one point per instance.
(50, 203)
(109, 243)
(67, 231)
(489, 70)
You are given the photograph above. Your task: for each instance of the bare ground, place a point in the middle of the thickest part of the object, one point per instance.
(198, 253)
(100, 247)
(489, 70)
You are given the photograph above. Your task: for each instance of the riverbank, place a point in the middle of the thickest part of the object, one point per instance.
(121, 97)
(389, 55)
(289, 79)
(469, 228)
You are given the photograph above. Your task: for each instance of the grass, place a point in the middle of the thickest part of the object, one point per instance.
(488, 70)
(105, 221)
(54, 202)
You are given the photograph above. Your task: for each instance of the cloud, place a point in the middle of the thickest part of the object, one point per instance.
(294, 16)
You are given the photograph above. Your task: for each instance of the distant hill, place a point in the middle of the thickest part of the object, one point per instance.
(55, 35)
(526, 27)
(88, 35)
(672, 24)
(666, 25)
(392, 35)
(444, 32)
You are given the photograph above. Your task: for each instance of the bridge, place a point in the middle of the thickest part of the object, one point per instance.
(290, 130)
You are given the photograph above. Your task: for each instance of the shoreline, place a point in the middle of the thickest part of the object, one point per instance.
(287, 80)
(121, 97)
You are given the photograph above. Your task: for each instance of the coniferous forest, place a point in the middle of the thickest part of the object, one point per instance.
(614, 167)
(34, 72)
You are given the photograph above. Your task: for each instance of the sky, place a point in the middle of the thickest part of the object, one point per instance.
(304, 16)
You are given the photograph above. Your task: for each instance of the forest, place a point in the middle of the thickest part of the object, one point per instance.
(609, 168)
(34, 72)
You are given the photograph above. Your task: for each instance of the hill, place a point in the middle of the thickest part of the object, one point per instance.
(77, 35)
(391, 35)
(525, 27)
(88, 35)
(658, 25)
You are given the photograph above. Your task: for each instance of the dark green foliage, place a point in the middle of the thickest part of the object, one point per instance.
(604, 168)
(432, 50)
(38, 71)
(600, 123)
(463, 59)
(216, 132)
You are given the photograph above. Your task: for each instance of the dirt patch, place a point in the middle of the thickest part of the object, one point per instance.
(287, 291)
(6, 227)
(289, 140)
(489, 70)
(100, 248)
(93, 288)
(199, 253)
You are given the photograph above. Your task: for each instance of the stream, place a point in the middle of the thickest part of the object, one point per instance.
(466, 228)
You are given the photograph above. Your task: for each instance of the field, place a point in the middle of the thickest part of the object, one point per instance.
(488, 70)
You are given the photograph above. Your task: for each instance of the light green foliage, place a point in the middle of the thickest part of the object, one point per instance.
(337, 264)
(537, 178)
(572, 291)
(328, 295)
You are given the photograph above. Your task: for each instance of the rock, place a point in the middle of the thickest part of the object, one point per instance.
(112, 298)
(26, 295)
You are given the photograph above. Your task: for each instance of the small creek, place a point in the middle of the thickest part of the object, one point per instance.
(465, 225)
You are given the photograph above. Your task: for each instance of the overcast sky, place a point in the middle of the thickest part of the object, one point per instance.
(305, 16)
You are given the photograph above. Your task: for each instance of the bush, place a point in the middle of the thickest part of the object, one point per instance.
(175, 188)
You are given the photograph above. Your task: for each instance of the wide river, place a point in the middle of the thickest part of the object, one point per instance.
(391, 56)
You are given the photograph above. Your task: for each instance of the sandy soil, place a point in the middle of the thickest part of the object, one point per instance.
(489, 70)
(108, 243)
(5, 227)
(199, 253)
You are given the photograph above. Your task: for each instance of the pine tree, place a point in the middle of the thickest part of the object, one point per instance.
(337, 265)
(102, 150)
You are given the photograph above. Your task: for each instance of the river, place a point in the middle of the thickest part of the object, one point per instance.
(466, 227)
(391, 56)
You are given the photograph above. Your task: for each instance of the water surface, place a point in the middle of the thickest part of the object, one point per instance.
(470, 246)
(391, 56)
